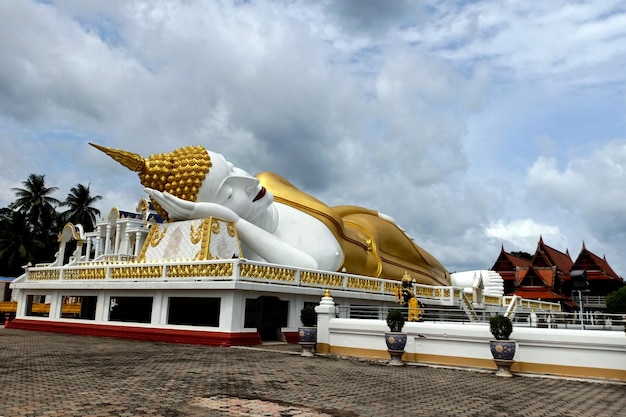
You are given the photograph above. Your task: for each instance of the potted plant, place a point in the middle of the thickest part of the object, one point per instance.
(502, 348)
(395, 339)
(307, 333)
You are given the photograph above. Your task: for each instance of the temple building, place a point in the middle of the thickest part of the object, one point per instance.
(547, 276)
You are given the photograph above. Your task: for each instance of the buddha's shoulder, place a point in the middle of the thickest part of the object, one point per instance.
(285, 192)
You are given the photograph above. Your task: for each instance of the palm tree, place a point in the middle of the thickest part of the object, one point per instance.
(80, 211)
(35, 202)
(18, 245)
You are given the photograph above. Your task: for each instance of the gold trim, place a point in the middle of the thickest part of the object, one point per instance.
(318, 278)
(205, 270)
(525, 367)
(204, 253)
(267, 272)
(195, 235)
(153, 239)
(50, 275)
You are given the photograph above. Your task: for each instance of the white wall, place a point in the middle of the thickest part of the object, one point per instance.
(568, 352)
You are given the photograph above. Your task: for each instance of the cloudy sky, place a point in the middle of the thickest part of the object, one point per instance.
(475, 124)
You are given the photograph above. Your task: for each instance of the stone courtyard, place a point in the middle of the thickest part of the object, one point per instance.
(48, 374)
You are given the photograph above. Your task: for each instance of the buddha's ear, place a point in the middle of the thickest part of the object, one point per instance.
(223, 194)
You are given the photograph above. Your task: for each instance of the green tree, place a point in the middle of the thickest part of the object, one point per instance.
(522, 254)
(80, 211)
(616, 301)
(18, 244)
(35, 202)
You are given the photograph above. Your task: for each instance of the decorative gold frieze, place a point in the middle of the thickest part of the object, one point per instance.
(492, 300)
(85, 273)
(267, 272)
(136, 272)
(200, 270)
(362, 284)
(391, 287)
(44, 275)
(317, 278)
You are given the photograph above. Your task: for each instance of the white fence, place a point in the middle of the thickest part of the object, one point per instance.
(565, 352)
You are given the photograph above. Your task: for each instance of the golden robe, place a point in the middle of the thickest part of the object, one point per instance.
(372, 246)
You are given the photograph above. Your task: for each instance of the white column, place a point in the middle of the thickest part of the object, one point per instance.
(107, 241)
(88, 250)
(125, 245)
(325, 313)
(138, 243)
(118, 239)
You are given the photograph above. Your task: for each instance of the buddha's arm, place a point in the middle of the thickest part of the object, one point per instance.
(178, 209)
(272, 248)
(269, 247)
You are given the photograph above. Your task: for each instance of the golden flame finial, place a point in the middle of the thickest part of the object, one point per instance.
(179, 172)
(130, 160)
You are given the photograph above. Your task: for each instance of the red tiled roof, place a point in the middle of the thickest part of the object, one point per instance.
(546, 275)
(509, 262)
(604, 265)
(537, 293)
(517, 261)
(561, 260)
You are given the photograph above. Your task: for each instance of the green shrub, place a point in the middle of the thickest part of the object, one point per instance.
(395, 320)
(616, 301)
(500, 327)
(308, 316)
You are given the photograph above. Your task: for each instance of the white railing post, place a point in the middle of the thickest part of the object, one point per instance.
(325, 312)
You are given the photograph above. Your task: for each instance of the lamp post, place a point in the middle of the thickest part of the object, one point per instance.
(580, 283)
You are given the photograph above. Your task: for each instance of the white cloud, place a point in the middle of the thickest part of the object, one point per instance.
(447, 117)
(524, 233)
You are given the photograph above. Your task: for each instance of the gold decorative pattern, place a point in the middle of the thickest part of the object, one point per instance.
(492, 300)
(231, 229)
(179, 173)
(47, 275)
(424, 292)
(195, 235)
(153, 239)
(204, 270)
(390, 287)
(267, 272)
(136, 272)
(215, 227)
(85, 273)
(318, 278)
(362, 283)
(204, 252)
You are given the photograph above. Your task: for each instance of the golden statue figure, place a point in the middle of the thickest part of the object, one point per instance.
(276, 222)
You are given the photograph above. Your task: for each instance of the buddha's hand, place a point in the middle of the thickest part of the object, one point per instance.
(179, 209)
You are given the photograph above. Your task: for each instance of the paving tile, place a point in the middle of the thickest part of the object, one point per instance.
(57, 375)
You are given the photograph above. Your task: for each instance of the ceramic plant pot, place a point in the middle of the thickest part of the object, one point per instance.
(503, 352)
(307, 337)
(396, 342)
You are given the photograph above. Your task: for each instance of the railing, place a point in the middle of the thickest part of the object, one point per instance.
(217, 270)
(595, 300)
(530, 304)
(119, 269)
(380, 313)
(467, 307)
(544, 319)
(591, 320)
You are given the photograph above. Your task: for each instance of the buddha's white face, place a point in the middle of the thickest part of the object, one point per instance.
(234, 188)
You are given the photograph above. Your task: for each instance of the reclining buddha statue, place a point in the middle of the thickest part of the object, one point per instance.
(275, 221)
